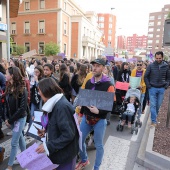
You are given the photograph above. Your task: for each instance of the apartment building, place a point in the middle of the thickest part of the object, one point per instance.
(14, 5)
(121, 42)
(156, 30)
(136, 42)
(61, 21)
(107, 24)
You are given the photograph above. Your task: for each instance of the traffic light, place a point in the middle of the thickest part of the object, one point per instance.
(166, 38)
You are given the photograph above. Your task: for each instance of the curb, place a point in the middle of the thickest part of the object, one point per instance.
(149, 158)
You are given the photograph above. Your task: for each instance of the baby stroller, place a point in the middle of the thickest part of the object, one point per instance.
(136, 123)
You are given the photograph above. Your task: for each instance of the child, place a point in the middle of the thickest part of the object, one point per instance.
(130, 107)
(2, 150)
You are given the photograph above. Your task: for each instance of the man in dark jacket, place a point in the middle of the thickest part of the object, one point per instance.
(94, 118)
(157, 80)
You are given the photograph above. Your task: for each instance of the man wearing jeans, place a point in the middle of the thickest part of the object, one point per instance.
(140, 72)
(157, 80)
(94, 119)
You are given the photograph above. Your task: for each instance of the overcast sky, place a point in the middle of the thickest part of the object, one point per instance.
(132, 15)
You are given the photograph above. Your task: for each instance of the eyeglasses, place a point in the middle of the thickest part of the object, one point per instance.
(139, 64)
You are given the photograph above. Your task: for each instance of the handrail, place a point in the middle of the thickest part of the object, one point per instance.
(168, 113)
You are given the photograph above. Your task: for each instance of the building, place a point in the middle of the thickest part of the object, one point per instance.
(14, 5)
(136, 42)
(156, 30)
(121, 42)
(107, 24)
(62, 22)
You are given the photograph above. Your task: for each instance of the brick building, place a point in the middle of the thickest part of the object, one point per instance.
(136, 42)
(156, 30)
(42, 21)
(121, 42)
(107, 24)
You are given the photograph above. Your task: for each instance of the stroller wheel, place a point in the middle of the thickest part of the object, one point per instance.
(132, 130)
(118, 127)
(121, 128)
(136, 131)
(140, 124)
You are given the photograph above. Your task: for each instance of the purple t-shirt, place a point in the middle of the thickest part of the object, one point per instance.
(139, 73)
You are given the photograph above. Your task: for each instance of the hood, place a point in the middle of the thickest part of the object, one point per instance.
(104, 78)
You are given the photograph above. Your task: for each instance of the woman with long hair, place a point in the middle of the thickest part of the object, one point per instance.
(78, 80)
(15, 110)
(36, 100)
(109, 73)
(64, 82)
(59, 126)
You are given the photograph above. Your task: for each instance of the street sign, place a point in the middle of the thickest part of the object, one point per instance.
(3, 27)
(166, 38)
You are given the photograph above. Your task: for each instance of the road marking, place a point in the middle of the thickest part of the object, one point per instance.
(115, 154)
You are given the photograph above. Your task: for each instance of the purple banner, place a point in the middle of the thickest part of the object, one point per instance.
(110, 58)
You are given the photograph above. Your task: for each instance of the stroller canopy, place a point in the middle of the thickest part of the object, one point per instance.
(133, 92)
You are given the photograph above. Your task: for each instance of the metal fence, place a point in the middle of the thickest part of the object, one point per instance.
(168, 113)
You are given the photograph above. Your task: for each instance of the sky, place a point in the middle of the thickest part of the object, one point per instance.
(132, 15)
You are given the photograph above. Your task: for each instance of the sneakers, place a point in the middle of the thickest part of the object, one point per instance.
(82, 165)
(16, 162)
(153, 125)
(2, 155)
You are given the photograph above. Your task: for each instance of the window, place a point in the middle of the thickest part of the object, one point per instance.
(110, 25)
(64, 6)
(150, 41)
(159, 23)
(165, 16)
(150, 35)
(42, 4)
(151, 17)
(13, 28)
(65, 48)
(0, 10)
(150, 30)
(109, 38)
(65, 28)
(101, 25)
(166, 9)
(27, 5)
(41, 47)
(27, 27)
(110, 19)
(159, 16)
(157, 36)
(41, 27)
(14, 49)
(157, 41)
(151, 23)
(110, 31)
(27, 46)
(158, 29)
(101, 19)
(84, 31)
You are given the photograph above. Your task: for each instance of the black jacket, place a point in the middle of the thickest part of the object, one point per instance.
(123, 76)
(15, 109)
(62, 133)
(65, 84)
(157, 75)
(75, 84)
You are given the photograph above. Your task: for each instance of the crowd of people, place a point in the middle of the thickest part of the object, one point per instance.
(53, 86)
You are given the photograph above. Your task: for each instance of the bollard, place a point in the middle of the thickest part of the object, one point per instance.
(168, 113)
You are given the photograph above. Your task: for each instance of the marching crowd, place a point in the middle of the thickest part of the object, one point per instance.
(52, 86)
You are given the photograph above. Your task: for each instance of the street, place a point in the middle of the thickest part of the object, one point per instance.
(120, 148)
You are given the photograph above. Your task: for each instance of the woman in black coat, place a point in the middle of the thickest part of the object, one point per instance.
(62, 134)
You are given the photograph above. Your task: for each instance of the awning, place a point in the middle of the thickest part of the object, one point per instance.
(3, 38)
(14, 7)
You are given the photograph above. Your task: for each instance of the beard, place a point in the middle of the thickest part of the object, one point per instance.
(97, 74)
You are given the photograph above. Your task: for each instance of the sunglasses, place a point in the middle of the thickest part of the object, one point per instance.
(139, 64)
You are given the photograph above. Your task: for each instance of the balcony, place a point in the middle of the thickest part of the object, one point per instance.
(87, 40)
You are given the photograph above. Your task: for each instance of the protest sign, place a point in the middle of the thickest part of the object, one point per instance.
(31, 160)
(135, 82)
(37, 116)
(122, 85)
(102, 100)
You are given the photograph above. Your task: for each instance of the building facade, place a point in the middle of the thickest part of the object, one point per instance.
(43, 21)
(107, 24)
(156, 30)
(121, 42)
(136, 42)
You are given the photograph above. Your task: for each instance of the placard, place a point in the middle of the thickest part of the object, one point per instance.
(135, 82)
(122, 85)
(101, 99)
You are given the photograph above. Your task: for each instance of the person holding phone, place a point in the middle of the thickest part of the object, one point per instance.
(59, 125)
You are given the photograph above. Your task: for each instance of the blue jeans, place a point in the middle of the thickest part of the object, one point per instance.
(129, 114)
(141, 105)
(17, 139)
(99, 131)
(156, 96)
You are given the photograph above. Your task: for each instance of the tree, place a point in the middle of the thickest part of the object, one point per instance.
(51, 49)
(168, 17)
(19, 49)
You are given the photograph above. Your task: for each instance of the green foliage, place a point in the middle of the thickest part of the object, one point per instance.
(19, 49)
(51, 49)
(168, 17)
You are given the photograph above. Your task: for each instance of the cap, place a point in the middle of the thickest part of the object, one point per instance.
(99, 61)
